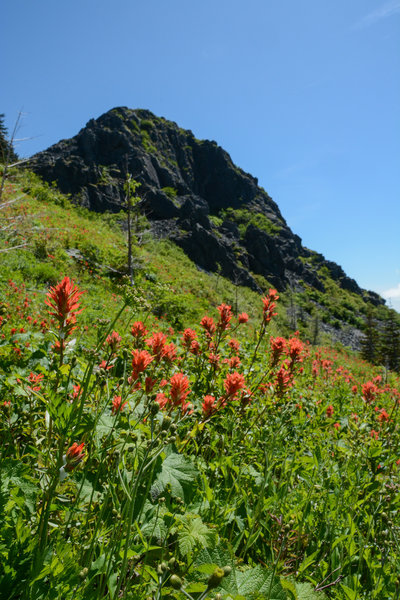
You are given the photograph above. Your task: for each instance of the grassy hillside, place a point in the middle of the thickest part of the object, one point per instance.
(156, 445)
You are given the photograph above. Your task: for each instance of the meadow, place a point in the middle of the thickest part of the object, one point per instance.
(161, 443)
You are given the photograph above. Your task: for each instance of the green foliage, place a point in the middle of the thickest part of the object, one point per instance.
(244, 217)
(287, 484)
(170, 192)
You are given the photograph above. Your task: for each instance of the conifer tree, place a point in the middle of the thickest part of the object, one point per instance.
(7, 153)
(389, 350)
(370, 342)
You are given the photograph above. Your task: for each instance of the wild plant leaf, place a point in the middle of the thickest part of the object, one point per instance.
(193, 533)
(305, 591)
(176, 471)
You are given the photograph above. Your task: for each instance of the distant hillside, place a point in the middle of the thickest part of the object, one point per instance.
(193, 194)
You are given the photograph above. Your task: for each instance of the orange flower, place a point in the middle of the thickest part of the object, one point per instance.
(63, 300)
(225, 315)
(157, 343)
(233, 383)
(113, 341)
(208, 324)
(138, 330)
(269, 305)
(329, 411)
(179, 388)
(117, 405)
(74, 455)
(243, 317)
(188, 336)
(208, 405)
(140, 361)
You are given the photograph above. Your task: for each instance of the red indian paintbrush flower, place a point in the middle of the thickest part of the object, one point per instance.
(140, 361)
(208, 324)
(208, 405)
(243, 317)
(63, 300)
(233, 383)
(225, 315)
(179, 388)
(269, 305)
(157, 343)
(117, 405)
(74, 455)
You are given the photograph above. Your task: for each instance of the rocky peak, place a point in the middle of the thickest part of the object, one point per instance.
(193, 193)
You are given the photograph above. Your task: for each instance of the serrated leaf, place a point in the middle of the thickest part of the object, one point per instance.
(193, 533)
(305, 591)
(177, 472)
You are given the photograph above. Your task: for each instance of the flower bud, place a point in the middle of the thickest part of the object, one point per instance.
(176, 582)
(215, 578)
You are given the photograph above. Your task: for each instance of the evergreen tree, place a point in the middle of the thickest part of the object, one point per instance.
(390, 342)
(7, 153)
(370, 342)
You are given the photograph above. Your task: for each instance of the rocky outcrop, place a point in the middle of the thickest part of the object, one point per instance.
(193, 193)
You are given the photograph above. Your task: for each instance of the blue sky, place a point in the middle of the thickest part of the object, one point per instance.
(303, 95)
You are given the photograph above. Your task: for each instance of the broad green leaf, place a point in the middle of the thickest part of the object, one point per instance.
(177, 472)
(193, 533)
(305, 591)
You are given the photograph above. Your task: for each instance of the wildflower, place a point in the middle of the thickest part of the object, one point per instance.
(194, 348)
(161, 399)
(140, 361)
(354, 389)
(74, 455)
(243, 317)
(234, 362)
(283, 379)
(383, 416)
(329, 411)
(213, 359)
(157, 343)
(138, 330)
(63, 300)
(188, 336)
(208, 324)
(225, 315)
(208, 405)
(374, 434)
(35, 379)
(149, 384)
(234, 345)
(77, 390)
(295, 349)
(233, 383)
(168, 352)
(369, 390)
(117, 405)
(179, 388)
(113, 341)
(278, 347)
(269, 305)
(336, 426)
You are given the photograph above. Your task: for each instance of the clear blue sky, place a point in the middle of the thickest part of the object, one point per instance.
(305, 95)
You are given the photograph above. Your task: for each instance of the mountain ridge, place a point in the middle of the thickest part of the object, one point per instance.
(193, 193)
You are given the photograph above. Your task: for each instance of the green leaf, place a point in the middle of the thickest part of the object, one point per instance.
(193, 533)
(305, 591)
(177, 472)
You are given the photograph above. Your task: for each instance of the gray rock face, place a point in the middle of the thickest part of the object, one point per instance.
(192, 193)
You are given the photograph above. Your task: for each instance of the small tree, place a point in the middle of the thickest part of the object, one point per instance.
(132, 210)
(370, 342)
(7, 152)
(389, 350)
